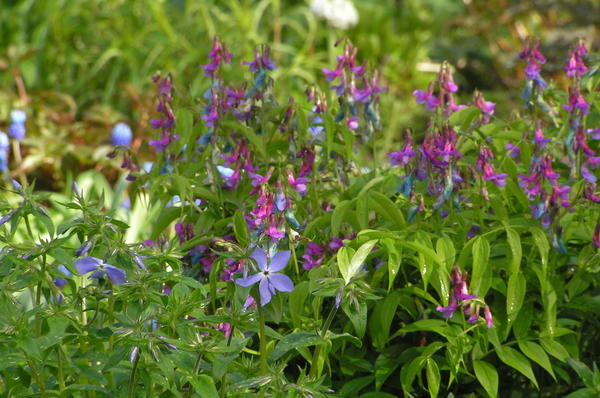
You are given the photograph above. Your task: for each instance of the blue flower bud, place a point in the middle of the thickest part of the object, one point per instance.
(17, 116)
(121, 134)
(4, 143)
(17, 131)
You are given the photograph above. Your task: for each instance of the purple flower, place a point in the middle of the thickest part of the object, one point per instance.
(352, 122)
(269, 278)
(427, 98)
(513, 150)
(448, 311)
(88, 264)
(60, 282)
(17, 126)
(299, 184)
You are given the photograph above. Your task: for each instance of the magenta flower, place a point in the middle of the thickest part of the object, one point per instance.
(427, 98)
(88, 264)
(299, 184)
(268, 278)
(448, 311)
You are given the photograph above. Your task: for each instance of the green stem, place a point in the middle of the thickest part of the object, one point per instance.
(262, 337)
(317, 353)
(60, 370)
(293, 250)
(222, 388)
(16, 146)
(132, 377)
(194, 373)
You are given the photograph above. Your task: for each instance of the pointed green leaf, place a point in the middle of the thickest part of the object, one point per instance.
(481, 278)
(433, 378)
(487, 376)
(537, 354)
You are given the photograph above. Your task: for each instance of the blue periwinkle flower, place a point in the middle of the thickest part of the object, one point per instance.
(121, 134)
(17, 126)
(268, 277)
(88, 264)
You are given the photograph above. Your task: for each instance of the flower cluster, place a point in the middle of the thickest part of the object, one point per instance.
(315, 254)
(167, 117)
(355, 91)
(535, 60)
(460, 297)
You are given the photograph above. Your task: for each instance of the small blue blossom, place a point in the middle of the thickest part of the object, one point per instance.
(121, 134)
(17, 126)
(88, 264)
(268, 277)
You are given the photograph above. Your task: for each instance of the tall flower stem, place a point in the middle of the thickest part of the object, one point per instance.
(222, 389)
(132, 376)
(194, 373)
(262, 337)
(314, 364)
(60, 370)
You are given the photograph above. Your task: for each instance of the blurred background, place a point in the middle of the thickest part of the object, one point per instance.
(77, 67)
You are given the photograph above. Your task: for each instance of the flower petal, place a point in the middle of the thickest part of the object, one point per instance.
(261, 258)
(87, 264)
(116, 275)
(265, 292)
(281, 282)
(279, 260)
(249, 281)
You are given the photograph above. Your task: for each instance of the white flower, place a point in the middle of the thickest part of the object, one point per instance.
(339, 13)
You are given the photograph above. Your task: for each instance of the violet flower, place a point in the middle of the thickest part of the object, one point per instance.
(88, 264)
(427, 98)
(268, 278)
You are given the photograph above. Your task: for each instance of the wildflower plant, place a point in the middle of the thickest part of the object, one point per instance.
(280, 263)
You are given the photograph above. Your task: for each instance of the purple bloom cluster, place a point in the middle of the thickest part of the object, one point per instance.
(460, 297)
(355, 90)
(316, 254)
(167, 119)
(4, 147)
(535, 60)
(217, 55)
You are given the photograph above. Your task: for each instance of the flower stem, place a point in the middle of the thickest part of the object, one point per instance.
(317, 353)
(222, 389)
(132, 376)
(262, 337)
(60, 370)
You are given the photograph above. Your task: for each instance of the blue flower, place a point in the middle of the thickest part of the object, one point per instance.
(268, 277)
(17, 127)
(88, 264)
(121, 134)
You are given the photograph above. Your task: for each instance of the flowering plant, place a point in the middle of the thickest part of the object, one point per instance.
(471, 259)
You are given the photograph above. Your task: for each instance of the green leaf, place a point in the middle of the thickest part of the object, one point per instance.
(463, 118)
(385, 365)
(205, 193)
(293, 341)
(350, 268)
(410, 371)
(184, 127)
(240, 229)
(554, 348)
(537, 354)
(433, 378)
(541, 241)
(446, 251)
(515, 294)
(487, 376)
(482, 275)
(385, 207)
(339, 216)
(427, 325)
(381, 319)
(204, 385)
(394, 259)
(514, 241)
(517, 361)
(362, 211)
(166, 217)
